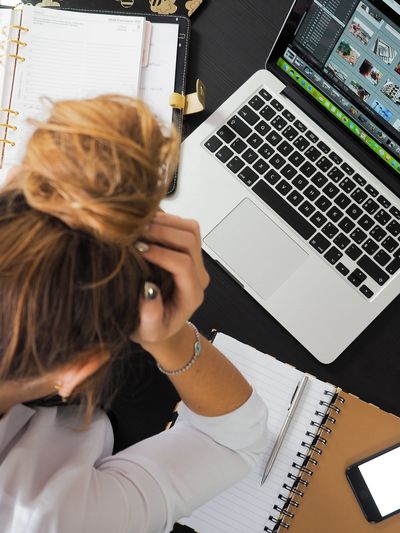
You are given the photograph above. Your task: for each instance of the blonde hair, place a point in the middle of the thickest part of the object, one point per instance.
(92, 178)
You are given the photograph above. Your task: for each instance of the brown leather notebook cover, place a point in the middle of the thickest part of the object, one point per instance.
(328, 504)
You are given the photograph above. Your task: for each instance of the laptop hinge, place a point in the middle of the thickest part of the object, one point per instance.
(330, 125)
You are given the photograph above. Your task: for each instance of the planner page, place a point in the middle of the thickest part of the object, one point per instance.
(72, 55)
(246, 507)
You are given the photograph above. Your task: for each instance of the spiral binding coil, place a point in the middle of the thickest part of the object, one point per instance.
(16, 56)
(306, 467)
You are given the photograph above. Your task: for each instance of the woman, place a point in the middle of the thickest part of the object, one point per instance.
(87, 261)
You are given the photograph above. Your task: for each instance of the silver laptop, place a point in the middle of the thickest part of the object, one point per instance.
(295, 179)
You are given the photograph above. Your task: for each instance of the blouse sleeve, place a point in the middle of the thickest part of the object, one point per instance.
(149, 486)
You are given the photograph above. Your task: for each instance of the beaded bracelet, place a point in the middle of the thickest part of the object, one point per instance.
(196, 353)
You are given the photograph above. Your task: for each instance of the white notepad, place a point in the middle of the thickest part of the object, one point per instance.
(247, 506)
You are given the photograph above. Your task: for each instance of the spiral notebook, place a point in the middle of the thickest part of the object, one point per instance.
(306, 490)
(66, 53)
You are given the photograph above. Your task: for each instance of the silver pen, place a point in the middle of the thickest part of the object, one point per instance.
(294, 402)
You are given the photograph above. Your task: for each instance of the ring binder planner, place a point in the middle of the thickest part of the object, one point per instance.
(307, 486)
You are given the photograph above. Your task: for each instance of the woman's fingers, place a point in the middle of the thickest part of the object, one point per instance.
(151, 313)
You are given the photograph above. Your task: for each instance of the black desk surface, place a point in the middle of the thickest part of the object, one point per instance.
(231, 40)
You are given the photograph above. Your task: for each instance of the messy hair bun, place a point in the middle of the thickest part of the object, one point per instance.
(99, 165)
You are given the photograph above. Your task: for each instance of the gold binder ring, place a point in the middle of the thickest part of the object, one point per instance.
(6, 141)
(17, 57)
(7, 110)
(8, 126)
(16, 27)
(18, 42)
(5, 29)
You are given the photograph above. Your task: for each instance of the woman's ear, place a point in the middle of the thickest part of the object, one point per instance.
(71, 376)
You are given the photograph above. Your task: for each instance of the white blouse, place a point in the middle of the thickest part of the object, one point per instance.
(55, 478)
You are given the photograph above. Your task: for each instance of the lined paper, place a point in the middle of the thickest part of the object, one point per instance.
(245, 507)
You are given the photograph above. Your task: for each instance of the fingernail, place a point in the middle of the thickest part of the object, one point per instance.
(150, 291)
(142, 247)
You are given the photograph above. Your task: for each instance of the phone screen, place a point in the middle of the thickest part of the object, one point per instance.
(381, 477)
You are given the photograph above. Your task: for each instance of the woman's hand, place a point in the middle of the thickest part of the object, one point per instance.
(180, 254)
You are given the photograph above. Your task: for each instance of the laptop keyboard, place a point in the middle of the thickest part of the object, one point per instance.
(342, 216)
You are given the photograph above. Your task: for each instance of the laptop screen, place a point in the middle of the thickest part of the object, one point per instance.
(346, 55)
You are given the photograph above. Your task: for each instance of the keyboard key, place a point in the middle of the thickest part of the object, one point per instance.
(300, 182)
(359, 179)
(272, 176)
(324, 147)
(370, 206)
(377, 233)
(249, 156)
(277, 105)
(395, 212)
(342, 269)
(312, 153)
(295, 198)
(323, 203)
(334, 214)
(357, 277)
(319, 179)
(265, 94)
(256, 102)
(324, 164)
(226, 134)
(354, 211)
(359, 195)
(284, 187)
(370, 246)
(239, 126)
(330, 190)
(273, 138)
(353, 252)
(373, 270)
(213, 143)
(254, 140)
(330, 230)
(358, 235)
(390, 244)
(290, 133)
(382, 258)
(335, 158)
(266, 151)
(301, 143)
(249, 115)
(393, 228)
(371, 190)
(238, 145)
(277, 161)
(347, 168)
(311, 192)
(318, 219)
(248, 176)
(283, 209)
(288, 171)
(383, 201)
(285, 148)
(235, 164)
(366, 291)
(267, 112)
(306, 208)
(224, 154)
(310, 135)
(335, 174)
(296, 158)
(288, 115)
(347, 185)
(278, 123)
(346, 225)
(307, 169)
(333, 255)
(342, 200)
(366, 222)
(341, 241)
(382, 217)
(260, 166)
(394, 266)
(262, 127)
(300, 126)
(320, 243)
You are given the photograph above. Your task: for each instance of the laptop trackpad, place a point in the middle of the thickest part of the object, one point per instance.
(255, 248)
